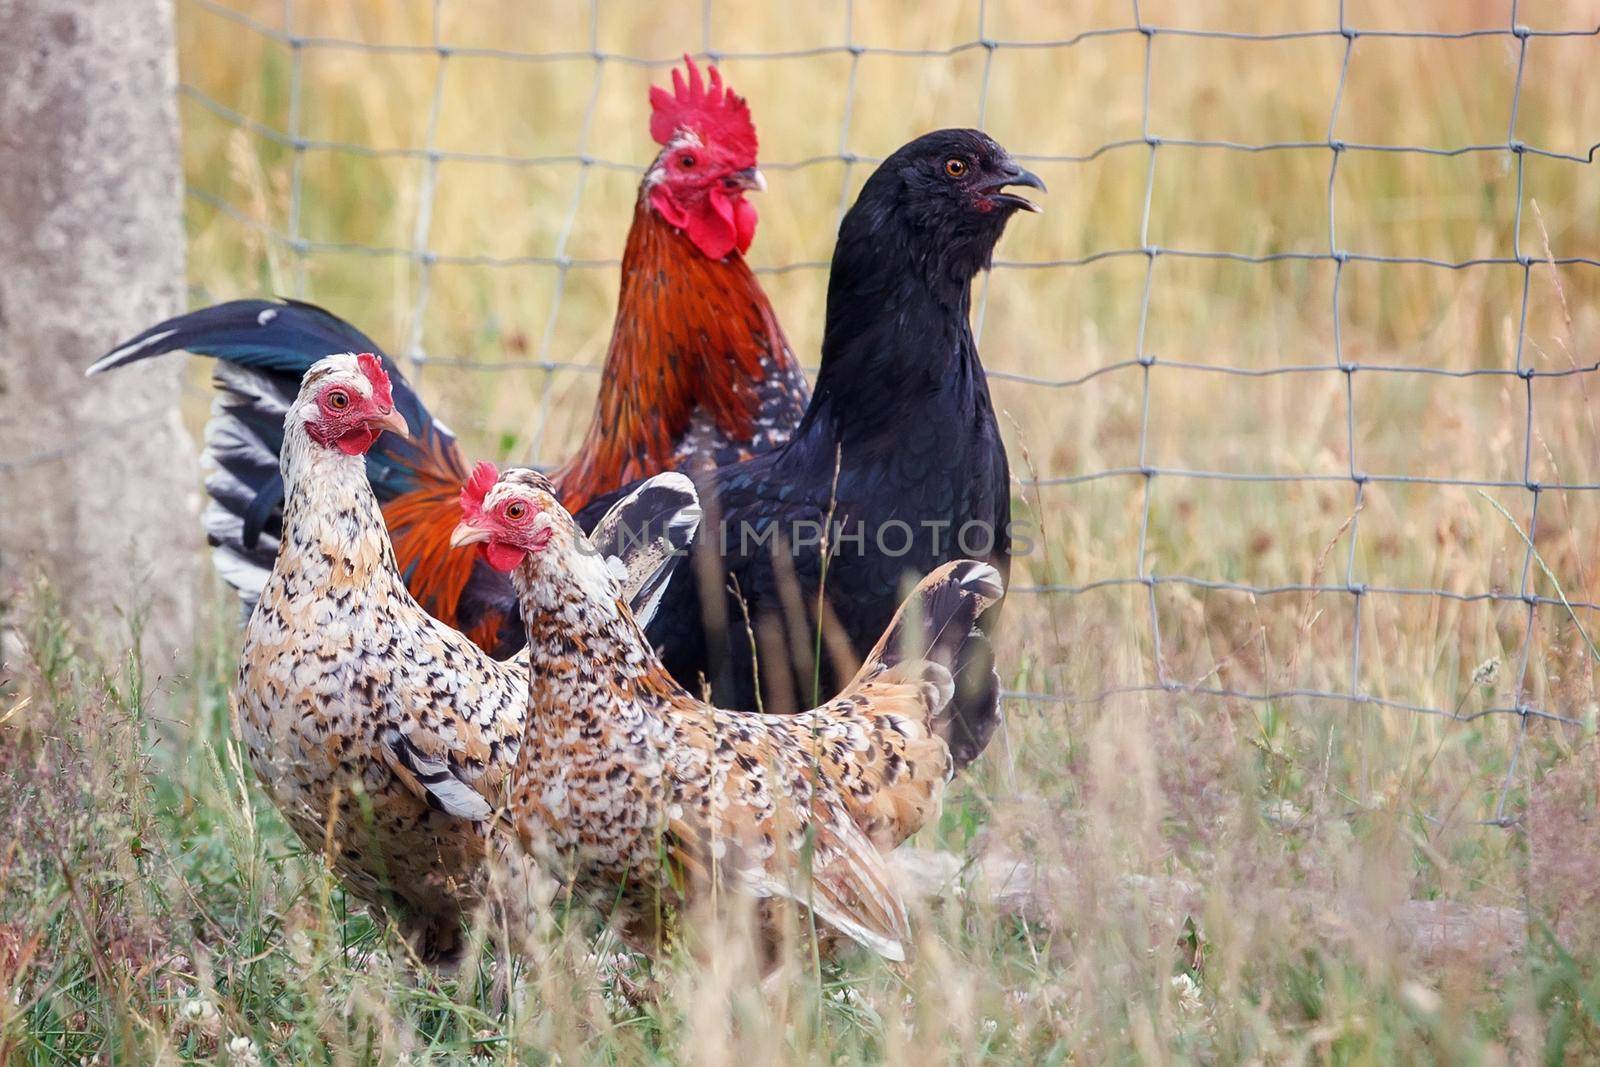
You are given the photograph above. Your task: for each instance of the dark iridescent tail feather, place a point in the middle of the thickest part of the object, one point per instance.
(939, 622)
(263, 347)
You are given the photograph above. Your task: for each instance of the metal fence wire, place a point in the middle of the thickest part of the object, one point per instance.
(1154, 144)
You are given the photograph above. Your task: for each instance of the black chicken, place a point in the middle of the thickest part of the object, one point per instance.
(899, 454)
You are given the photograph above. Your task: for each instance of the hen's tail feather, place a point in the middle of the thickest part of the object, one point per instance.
(263, 348)
(938, 622)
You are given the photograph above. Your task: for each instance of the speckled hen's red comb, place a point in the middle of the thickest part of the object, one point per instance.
(714, 113)
(372, 367)
(484, 475)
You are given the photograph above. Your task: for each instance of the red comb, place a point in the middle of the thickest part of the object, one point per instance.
(484, 475)
(372, 367)
(716, 114)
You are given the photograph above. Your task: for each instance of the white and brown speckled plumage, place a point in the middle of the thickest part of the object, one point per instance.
(383, 735)
(641, 795)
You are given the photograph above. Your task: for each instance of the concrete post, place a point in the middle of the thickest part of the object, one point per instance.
(98, 480)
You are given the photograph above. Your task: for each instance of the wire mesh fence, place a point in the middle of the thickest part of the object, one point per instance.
(1161, 157)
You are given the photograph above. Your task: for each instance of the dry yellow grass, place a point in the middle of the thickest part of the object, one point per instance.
(1361, 807)
(1053, 323)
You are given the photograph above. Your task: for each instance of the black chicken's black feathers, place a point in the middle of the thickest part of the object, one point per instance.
(899, 448)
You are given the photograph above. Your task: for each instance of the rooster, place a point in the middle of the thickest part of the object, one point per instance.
(381, 733)
(638, 794)
(897, 466)
(698, 374)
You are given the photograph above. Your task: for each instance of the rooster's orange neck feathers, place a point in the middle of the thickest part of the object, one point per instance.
(697, 336)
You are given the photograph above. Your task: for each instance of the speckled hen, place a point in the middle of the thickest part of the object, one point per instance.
(382, 734)
(645, 799)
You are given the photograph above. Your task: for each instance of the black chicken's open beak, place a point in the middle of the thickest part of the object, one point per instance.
(1011, 173)
(467, 534)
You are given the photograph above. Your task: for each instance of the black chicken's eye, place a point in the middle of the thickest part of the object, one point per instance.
(686, 161)
(338, 400)
(955, 167)
(515, 510)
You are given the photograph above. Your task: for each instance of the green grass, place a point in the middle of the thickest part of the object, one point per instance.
(1205, 894)
(1272, 853)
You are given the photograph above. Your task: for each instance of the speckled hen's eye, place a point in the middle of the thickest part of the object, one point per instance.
(338, 400)
(955, 167)
(686, 161)
(516, 510)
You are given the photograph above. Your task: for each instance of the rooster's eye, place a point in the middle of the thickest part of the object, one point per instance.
(338, 400)
(955, 167)
(686, 161)
(515, 510)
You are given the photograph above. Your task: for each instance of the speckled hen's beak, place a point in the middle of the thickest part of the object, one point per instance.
(467, 534)
(394, 422)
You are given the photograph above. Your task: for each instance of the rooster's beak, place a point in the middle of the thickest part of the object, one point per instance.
(749, 178)
(467, 534)
(394, 422)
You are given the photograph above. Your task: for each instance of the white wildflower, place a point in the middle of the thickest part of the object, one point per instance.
(1188, 993)
(845, 995)
(243, 1050)
(1488, 671)
(198, 1013)
(1420, 997)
